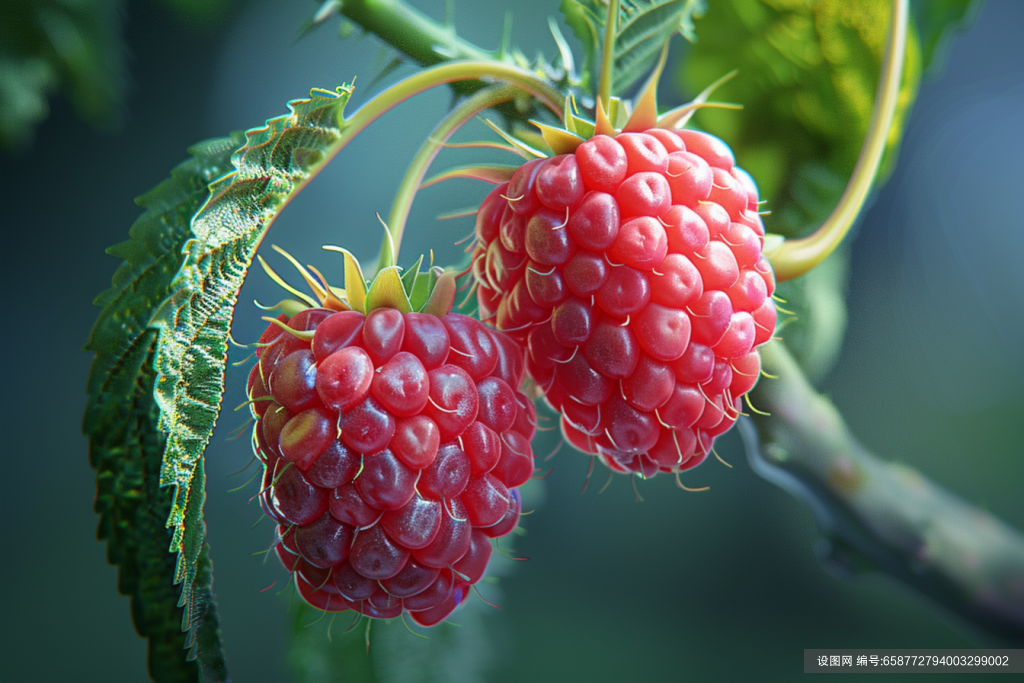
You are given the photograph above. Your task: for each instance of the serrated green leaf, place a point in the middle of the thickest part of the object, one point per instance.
(161, 344)
(47, 46)
(273, 165)
(125, 446)
(643, 28)
(807, 77)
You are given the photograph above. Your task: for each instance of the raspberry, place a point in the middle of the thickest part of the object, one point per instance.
(393, 446)
(631, 270)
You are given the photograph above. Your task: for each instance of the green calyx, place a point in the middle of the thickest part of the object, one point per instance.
(429, 291)
(617, 115)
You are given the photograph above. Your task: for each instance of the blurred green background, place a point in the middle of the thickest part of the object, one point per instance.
(723, 584)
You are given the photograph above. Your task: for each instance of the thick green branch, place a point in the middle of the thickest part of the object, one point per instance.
(410, 32)
(885, 516)
(425, 41)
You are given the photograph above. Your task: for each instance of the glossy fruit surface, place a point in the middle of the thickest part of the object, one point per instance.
(632, 272)
(393, 447)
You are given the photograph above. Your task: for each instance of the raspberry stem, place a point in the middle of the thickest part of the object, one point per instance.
(451, 72)
(429, 78)
(795, 257)
(604, 88)
(411, 183)
(429, 43)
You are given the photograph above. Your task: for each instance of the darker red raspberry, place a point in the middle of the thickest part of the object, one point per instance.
(387, 442)
(632, 272)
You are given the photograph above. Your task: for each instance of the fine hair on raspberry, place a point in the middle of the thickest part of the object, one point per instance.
(394, 445)
(632, 271)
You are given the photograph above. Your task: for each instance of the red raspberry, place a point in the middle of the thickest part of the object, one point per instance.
(632, 272)
(393, 445)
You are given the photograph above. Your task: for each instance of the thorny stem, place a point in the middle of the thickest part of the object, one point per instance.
(885, 516)
(795, 257)
(462, 114)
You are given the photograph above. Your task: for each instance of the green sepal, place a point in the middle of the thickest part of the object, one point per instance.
(355, 283)
(645, 107)
(387, 291)
(442, 295)
(493, 174)
(422, 288)
(410, 275)
(560, 141)
(290, 307)
(567, 117)
(581, 126)
(618, 112)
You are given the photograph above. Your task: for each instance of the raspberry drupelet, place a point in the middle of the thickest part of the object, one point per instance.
(631, 270)
(393, 443)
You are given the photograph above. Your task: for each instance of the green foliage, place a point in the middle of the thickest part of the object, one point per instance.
(71, 47)
(808, 72)
(58, 45)
(643, 27)
(125, 446)
(195, 320)
(161, 343)
(937, 21)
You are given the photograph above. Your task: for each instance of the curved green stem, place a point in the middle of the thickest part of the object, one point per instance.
(451, 72)
(604, 88)
(517, 78)
(427, 42)
(796, 257)
(458, 117)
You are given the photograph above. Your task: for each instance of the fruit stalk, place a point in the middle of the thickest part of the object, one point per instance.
(452, 72)
(884, 516)
(459, 116)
